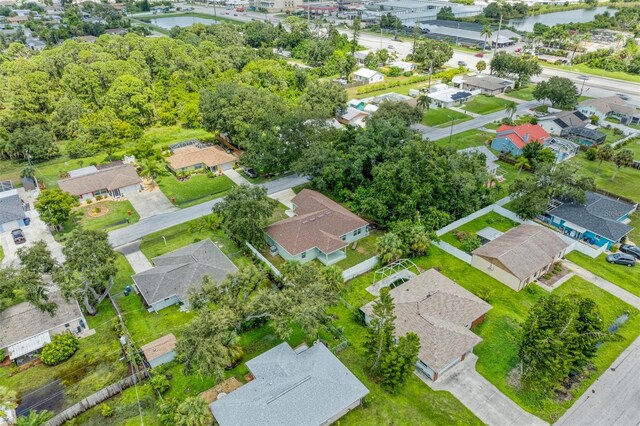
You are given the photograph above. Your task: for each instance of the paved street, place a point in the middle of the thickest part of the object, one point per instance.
(481, 397)
(158, 222)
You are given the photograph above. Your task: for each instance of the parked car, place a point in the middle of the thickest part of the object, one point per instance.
(462, 64)
(479, 55)
(621, 259)
(390, 47)
(622, 96)
(631, 250)
(18, 236)
(250, 172)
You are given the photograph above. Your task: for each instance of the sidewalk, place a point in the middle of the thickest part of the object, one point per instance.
(463, 111)
(607, 286)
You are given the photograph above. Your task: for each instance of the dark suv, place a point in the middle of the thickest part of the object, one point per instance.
(632, 250)
(18, 236)
(621, 259)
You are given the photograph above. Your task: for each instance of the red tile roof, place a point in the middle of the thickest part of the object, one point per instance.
(518, 134)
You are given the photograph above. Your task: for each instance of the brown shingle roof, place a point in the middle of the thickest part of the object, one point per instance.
(191, 155)
(523, 250)
(159, 347)
(439, 311)
(110, 178)
(319, 222)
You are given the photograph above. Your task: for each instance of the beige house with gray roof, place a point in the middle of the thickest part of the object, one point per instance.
(115, 180)
(520, 255)
(441, 313)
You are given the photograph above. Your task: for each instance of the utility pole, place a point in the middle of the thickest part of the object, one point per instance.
(451, 131)
(499, 28)
(430, 71)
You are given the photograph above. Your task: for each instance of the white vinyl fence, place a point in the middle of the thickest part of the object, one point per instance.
(259, 255)
(360, 268)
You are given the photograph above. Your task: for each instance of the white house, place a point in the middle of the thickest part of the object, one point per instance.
(403, 65)
(368, 76)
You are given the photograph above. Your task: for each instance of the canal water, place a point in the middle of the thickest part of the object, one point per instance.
(551, 19)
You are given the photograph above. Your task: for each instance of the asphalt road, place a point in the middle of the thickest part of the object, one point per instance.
(162, 221)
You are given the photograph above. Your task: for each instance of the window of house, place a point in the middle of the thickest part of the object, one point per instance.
(304, 255)
(357, 232)
(344, 237)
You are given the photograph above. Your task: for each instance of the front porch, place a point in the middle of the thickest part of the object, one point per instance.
(331, 258)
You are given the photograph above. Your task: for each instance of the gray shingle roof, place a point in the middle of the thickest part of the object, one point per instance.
(22, 321)
(176, 272)
(10, 206)
(438, 310)
(119, 176)
(600, 214)
(490, 157)
(487, 82)
(524, 250)
(308, 388)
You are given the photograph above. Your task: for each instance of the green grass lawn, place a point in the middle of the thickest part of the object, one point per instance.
(492, 126)
(403, 88)
(626, 183)
(466, 139)
(524, 93)
(622, 276)
(442, 117)
(611, 136)
(635, 223)
(584, 69)
(48, 172)
(491, 219)
(117, 216)
(615, 120)
(482, 104)
(365, 248)
(195, 190)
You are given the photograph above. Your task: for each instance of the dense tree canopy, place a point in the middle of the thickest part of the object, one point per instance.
(560, 91)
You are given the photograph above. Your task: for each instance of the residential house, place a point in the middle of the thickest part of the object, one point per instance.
(441, 313)
(489, 157)
(563, 148)
(390, 97)
(520, 255)
(26, 329)
(611, 106)
(11, 210)
(360, 56)
(443, 96)
(178, 272)
(321, 229)
(601, 221)
(512, 139)
(86, 38)
(554, 124)
(193, 155)
(485, 84)
(160, 351)
(302, 387)
(403, 65)
(115, 180)
(365, 75)
(584, 135)
(354, 117)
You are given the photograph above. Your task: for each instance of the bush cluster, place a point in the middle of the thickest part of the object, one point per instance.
(61, 348)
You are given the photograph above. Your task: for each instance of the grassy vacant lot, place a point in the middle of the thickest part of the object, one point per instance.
(442, 117)
(466, 139)
(524, 93)
(403, 89)
(491, 219)
(584, 69)
(627, 183)
(622, 276)
(50, 171)
(195, 190)
(482, 104)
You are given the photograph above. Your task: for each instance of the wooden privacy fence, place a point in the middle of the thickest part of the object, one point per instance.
(97, 398)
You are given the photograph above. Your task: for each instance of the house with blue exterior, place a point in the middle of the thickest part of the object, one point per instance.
(512, 139)
(601, 221)
(321, 229)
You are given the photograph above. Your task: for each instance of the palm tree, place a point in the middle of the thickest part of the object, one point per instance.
(193, 411)
(390, 248)
(35, 418)
(623, 158)
(520, 163)
(487, 33)
(150, 168)
(604, 154)
(8, 400)
(424, 102)
(511, 109)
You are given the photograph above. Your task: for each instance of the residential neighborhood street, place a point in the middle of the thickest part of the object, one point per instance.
(166, 220)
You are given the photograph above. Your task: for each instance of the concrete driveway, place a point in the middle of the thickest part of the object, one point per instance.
(37, 230)
(150, 203)
(481, 397)
(137, 259)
